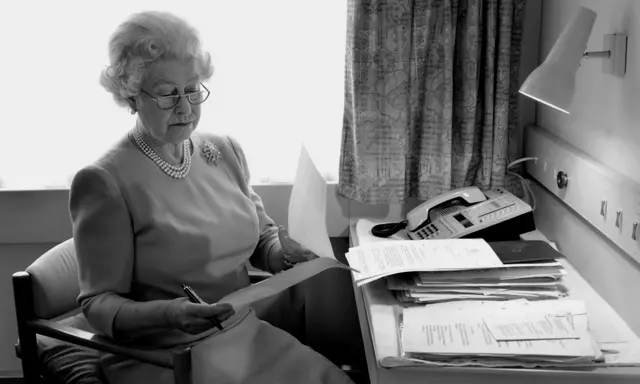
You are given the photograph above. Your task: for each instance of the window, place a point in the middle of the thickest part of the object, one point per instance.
(279, 82)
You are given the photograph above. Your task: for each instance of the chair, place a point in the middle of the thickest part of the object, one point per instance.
(48, 289)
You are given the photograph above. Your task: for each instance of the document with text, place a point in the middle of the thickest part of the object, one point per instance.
(518, 325)
(464, 332)
(377, 260)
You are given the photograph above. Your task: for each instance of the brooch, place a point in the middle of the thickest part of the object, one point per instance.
(210, 152)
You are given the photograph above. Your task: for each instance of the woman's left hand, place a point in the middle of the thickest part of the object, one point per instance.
(293, 252)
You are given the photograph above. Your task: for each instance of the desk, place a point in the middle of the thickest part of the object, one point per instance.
(374, 304)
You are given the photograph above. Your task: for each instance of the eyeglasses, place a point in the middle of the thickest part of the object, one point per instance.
(168, 102)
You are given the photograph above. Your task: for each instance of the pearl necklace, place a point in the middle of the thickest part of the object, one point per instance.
(176, 171)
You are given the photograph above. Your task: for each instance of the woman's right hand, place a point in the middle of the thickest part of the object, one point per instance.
(194, 318)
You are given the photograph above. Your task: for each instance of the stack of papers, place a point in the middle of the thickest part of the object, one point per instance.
(509, 334)
(377, 260)
(532, 281)
(435, 271)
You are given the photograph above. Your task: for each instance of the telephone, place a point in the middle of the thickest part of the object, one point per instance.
(493, 215)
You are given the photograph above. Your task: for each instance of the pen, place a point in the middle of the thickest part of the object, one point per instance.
(193, 296)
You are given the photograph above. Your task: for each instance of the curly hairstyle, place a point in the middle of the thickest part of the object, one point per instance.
(144, 38)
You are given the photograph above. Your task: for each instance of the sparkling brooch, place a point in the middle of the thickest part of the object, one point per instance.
(210, 152)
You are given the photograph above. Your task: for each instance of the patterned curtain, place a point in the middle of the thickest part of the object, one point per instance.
(430, 97)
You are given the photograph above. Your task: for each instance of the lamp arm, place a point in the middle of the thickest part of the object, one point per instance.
(597, 54)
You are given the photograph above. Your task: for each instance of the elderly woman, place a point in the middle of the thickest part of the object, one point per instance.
(167, 206)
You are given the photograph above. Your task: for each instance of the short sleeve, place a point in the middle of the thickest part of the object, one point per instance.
(268, 243)
(103, 237)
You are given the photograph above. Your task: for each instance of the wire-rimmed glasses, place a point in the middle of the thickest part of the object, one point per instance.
(168, 102)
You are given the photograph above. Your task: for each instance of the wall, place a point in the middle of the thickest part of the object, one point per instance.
(605, 113)
(609, 270)
(602, 130)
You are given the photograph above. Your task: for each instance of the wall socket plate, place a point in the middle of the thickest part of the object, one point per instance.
(590, 186)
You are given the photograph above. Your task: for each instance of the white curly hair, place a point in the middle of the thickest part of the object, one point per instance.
(144, 38)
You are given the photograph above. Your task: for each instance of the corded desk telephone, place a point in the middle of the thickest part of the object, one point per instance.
(495, 215)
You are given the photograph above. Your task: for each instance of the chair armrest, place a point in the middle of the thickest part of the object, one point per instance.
(91, 340)
(258, 276)
(100, 343)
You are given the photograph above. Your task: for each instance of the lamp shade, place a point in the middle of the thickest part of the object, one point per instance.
(553, 83)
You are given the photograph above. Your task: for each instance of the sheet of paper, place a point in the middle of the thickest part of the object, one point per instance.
(515, 325)
(492, 297)
(374, 261)
(529, 294)
(478, 291)
(405, 281)
(279, 282)
(308, 208)
(503, 363)
(464, 333)
(502, 273)
(432, 291)
(468, 337)
(445, 298)
(502, 284)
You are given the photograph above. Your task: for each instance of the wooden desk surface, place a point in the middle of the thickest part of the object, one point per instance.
(374, 304)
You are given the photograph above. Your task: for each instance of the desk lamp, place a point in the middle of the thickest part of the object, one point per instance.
(553, 83)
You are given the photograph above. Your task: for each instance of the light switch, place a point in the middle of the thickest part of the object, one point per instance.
(618, 218)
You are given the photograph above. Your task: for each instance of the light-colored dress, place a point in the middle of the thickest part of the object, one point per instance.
(140, 235)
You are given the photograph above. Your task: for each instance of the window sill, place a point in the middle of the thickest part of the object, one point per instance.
(41, 215)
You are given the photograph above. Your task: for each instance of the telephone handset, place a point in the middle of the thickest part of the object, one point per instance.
(495, 215)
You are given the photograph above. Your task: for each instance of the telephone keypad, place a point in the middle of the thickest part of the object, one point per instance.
(428, 231)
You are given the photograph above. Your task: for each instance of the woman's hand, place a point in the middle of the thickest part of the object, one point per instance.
(293, 252)
(194, 318)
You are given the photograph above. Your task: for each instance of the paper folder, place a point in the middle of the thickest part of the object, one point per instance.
(525, 251)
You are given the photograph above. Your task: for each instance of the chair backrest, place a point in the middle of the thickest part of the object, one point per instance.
(54, 281)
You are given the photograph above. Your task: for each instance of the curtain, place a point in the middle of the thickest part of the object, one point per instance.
(430, 97)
